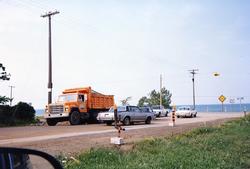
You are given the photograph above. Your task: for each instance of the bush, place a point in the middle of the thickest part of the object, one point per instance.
(20, 114)
(23, 111)
(5, 114)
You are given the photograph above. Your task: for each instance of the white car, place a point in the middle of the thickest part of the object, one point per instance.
(185, 112)
(159, 111)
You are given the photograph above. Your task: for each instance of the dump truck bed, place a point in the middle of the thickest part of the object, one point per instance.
(95, 99)
(99, 101)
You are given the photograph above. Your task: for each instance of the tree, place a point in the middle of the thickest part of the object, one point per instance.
(3, 74)
(143, 101)
(4, 99)
(126, 100)
(154, 98)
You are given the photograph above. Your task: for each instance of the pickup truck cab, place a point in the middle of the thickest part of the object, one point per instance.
(160, 111)
(127, 115)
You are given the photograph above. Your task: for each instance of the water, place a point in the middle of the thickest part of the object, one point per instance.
(218, 107)
(39, 112)
(200, 108)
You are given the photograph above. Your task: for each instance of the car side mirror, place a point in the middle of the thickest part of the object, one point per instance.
(20, 158)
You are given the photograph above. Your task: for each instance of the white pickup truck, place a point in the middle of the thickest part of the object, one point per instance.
(160, 111)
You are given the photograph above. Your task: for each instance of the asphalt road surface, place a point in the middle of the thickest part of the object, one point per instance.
(68, 139)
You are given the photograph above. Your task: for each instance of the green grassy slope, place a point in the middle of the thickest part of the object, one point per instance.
(227, 146)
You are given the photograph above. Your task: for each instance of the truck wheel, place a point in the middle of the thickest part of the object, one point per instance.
(148, 120)
(51, 122)
(75, 118)
(126, 121)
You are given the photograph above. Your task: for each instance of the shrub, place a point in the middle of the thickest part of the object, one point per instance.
(5, 114)
(23, 111)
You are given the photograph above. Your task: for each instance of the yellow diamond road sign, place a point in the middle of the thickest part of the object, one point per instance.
(222, 98)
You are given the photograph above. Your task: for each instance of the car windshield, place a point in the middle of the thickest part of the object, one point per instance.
(145, 109)
(111, 109)
(156, 107)
(184, 108)
(67, 98)
(119, 109)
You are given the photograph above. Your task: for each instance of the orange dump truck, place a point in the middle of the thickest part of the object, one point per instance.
(77, 105)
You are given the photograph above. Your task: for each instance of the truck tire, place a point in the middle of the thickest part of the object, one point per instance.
(126, 121)
(51, 122)
(75, 118)
(148, 120)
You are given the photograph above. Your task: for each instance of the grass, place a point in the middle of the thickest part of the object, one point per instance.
(227, 146)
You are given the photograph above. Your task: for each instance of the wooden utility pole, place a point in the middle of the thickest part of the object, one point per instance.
(160, 89)
(50, 85)
(11, 98)
(193, 72)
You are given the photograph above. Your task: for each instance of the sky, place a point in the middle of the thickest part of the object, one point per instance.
(120, 47)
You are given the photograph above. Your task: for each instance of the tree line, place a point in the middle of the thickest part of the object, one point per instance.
(153, 98)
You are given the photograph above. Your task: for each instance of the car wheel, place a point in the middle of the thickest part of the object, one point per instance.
(159, 114)
(194, 115)
(178, 116)
(75, 118)
(166, 115)
(126, 121)
(148, 120)
(51, 122)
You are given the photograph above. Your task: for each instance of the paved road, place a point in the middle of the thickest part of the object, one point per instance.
(14, 135)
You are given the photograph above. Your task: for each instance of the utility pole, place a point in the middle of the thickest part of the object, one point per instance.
(160, 90)
(50, 85)
(11, 98)
(193, 72)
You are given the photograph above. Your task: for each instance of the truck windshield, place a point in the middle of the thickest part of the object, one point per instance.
(67, 98)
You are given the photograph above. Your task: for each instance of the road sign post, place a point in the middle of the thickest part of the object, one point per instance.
(222, 99)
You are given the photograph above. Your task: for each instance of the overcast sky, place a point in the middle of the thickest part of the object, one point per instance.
(121, 47)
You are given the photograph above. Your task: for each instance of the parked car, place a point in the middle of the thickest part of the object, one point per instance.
(185, 112)
(146, 109)
(127, 115)
(160, 111)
